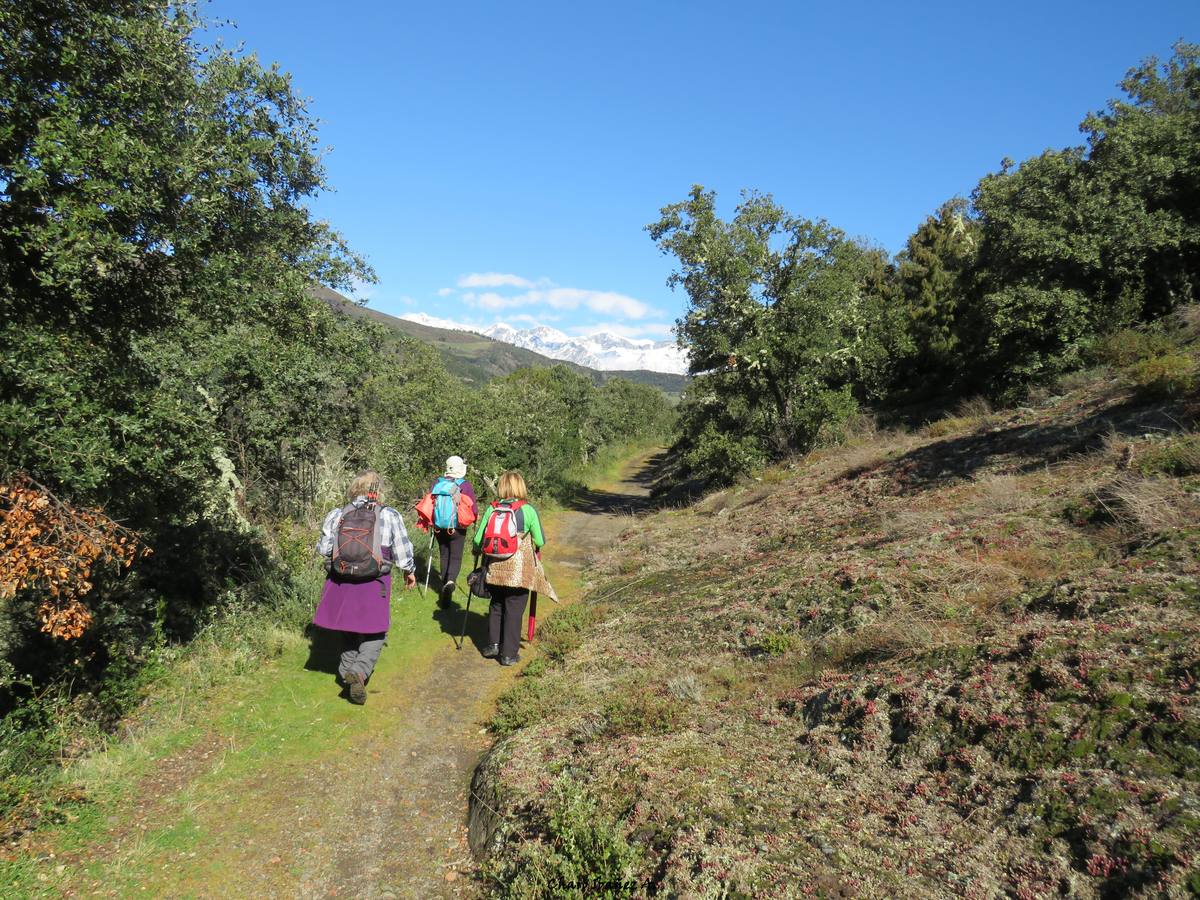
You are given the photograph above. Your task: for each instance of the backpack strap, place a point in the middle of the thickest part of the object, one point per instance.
(337, 531)
(385, 566)
(515, 506)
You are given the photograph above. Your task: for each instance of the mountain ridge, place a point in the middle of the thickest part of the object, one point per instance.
(602, 350)
(476, 358)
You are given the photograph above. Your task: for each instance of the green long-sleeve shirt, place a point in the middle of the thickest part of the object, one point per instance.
(530, 523)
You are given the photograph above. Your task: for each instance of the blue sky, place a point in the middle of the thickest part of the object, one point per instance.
(500, 161)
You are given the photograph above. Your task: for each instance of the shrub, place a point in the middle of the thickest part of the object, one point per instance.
(1168, 375)
(640, 711)
(563, 631)
(526, 702)
(582, 853)
(1129, 346)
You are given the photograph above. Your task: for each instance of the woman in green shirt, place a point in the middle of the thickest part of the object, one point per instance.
(508, 600)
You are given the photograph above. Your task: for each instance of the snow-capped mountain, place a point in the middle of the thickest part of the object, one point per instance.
(435, 322)
(603, 350)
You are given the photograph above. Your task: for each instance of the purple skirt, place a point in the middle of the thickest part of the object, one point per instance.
(360, 607)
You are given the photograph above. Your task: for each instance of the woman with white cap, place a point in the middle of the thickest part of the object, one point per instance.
(451, 535)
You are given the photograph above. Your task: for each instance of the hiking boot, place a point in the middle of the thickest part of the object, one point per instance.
(446, 596)
(491, 651)
(509, 660)
(358, 688)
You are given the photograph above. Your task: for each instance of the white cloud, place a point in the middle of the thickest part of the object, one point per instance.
(491, 300)
(606, 302)
(532, 321)
(445, 292)
(659, 331)
(493, 280)
(603, 302)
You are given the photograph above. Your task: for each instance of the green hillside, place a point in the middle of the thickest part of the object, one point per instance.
(475, 358)
(957, 660)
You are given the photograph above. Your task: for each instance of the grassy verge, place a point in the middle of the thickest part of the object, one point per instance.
(252, 695)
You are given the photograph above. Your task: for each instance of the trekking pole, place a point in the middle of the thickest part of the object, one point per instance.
(428, 563)
(462, 638)
(468, 542)
(467, 612)
(532, 615)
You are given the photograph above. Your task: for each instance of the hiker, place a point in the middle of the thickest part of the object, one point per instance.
(452, 535)
(361, 542)
(510, 539)
(449, 508)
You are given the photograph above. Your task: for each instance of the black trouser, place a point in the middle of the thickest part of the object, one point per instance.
(508, 606)
(451, 546)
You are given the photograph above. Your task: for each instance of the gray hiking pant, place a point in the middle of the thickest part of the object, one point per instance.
(360, 654)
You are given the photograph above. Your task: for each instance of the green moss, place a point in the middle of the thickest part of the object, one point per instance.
(1107, 802)
(1193, 884)
(640, 711)
(1031, 749)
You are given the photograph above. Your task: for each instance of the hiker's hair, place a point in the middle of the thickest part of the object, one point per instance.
(512, 484)
(367, 482)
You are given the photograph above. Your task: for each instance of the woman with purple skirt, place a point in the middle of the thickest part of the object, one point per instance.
(362, 542)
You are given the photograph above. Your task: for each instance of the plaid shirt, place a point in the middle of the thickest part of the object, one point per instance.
(391, 535)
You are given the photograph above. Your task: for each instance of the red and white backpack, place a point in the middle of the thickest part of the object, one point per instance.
(502, 535)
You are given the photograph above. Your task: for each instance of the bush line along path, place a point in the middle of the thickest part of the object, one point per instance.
(273, 785)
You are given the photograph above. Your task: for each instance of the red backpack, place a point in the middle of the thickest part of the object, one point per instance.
(502, 535)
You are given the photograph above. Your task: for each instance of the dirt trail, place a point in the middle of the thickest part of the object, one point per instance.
(410, 836)
(404, 831)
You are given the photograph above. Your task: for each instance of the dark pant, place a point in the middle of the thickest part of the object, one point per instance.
(360, 652)
(504, 618)
(451, 548)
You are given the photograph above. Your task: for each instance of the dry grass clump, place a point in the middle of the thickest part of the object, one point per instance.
(1188, 320)
(857, 459)
(974, 408)
(1001, 494)
(909, 630)
(970, 414)
(1069, 383)
(1149, 506)
(686, 688)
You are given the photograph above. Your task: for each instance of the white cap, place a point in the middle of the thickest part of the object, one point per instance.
(455, 467)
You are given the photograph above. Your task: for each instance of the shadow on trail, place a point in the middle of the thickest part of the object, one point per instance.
(324, 649)
(451, 621)
(594, 502)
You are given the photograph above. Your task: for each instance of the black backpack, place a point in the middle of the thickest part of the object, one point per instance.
(357, 548)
